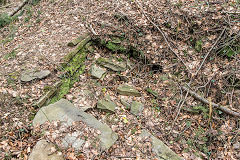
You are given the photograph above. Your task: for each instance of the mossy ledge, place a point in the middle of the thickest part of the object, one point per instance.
(129, 50)
(72, 70)
(74, 64)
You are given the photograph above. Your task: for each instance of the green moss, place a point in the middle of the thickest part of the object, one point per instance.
(89, 47)
(198, 45)
(230, 51)
(74, 69)
(115, 47)
(75, 63)
(11, 55)
(100, 60)
(154, 93)
(47, 88)
(5, 19)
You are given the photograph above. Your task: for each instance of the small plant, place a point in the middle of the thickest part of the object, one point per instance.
(198, 46)
(35, 2)
(201, 109)
(38, 16)
(230, 51)
(230, 48)
(5, 19)
(10, 55)
(11, 35)
(28, 14)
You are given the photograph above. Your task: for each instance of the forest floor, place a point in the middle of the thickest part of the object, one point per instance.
(204, 37)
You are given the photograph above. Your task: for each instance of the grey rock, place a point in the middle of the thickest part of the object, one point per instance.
(125, 103)
(112, 64)
(64, 111)
(236, 146)
(97, 72)
(128, 91)
(88, 93)
(108, 98)
(85, 108)
(30, 75)
(72, 140)
(130, 64)
(161, 150)
(136, 108)
(44, 151)
(106, 104)
(42, 74)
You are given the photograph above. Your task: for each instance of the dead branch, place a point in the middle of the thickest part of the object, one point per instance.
(233, 12)
(163, 34)
(210, 51)
(203, 100)
(18, 8)
(6, 6)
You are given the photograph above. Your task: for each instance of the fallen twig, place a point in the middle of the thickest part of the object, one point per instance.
(203, 100)
(163, 34)
(233, 12)
(6, 6)
(18, 8)
(210, 51)
(193, 75)
(210, 111)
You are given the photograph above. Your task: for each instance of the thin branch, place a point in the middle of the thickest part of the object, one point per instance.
(207, 82)
(6, 6)
(19, 8)
(179, 107)
(163, 34)
(233, 12)
(92, 30)
(210, 51)
(203, 100)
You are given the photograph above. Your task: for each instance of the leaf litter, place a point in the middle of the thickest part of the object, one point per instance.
(42, 44)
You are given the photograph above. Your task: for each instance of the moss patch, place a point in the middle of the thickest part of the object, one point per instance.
(115, 47)
(74, 62)
(73, 70)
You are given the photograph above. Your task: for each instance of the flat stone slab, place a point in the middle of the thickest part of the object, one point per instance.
(128, 91)
(30, 75)
(64, 111)
(159, 148)
(125, 103)
(45, 151)
(106, 105)
(112, 64)
(71, 140)
(136, 108)
(97, 72)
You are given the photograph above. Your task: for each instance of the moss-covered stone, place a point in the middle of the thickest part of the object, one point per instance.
(112, 64)
(73, 70)
(115, 47)
(136, 108)
(79, 47)
(106, 105)
(128, 91)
